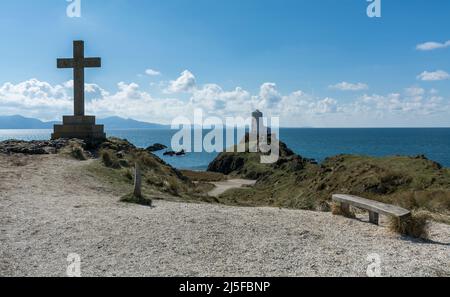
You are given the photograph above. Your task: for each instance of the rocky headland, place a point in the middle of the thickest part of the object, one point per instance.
(412, 182)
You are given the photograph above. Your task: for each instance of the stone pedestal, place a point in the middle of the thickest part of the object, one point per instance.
(80, 127)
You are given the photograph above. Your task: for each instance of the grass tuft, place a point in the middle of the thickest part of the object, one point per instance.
(128, 175)
(109, 159)
(415, 226)
(77, 152)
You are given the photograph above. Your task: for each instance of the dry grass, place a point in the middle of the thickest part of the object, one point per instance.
(147, 161)
(337, 210)
(75, 150)
(128, 175)
(414, 226)
(201, 176)
(109, 159)
(78, 153)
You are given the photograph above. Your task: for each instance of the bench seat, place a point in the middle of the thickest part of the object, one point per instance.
(375, 208)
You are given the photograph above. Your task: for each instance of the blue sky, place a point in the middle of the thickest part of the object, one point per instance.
(321, 63)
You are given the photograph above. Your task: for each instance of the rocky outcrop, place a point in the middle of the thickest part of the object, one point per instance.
(248, 164)
(118, 145)
(227, 163)
(36, 147)
(172, 153)
(156, 147)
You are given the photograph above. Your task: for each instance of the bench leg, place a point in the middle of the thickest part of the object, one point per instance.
(345, 207)
(374, 217)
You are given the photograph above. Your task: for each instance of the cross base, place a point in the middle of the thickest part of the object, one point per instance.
(80, 127)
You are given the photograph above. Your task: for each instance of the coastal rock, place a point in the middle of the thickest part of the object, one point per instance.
(156, 147)
(118, 145)
(36, 147)
(248, 164)
(172, 153)
(226, 163)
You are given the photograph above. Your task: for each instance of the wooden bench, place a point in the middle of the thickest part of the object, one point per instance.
(375, 208)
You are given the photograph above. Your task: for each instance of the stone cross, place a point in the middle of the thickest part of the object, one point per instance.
(78, 63)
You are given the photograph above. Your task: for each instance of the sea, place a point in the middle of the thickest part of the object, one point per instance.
(310, 143)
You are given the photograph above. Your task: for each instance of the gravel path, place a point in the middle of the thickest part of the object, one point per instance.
(48, 212)
(222, 187)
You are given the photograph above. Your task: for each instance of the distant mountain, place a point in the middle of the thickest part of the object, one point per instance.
(120, 123)
(20, 122)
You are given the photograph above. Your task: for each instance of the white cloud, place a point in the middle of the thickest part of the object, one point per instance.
(131, 102)
(151, 72)
(433, 76)
(43, 100)
(213, 99)
(34, 98)
(184, 83)
(345, 86)
(269, 96)
(415, 91)
(429, 46)
(327, 105)
(410, 104)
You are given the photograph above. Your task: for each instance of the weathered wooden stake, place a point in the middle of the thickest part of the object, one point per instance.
(137, 181)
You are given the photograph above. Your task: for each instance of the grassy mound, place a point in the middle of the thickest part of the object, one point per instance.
(201, 176)
(160, 181)
(415, 183)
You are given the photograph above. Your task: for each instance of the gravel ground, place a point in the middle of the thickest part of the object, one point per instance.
(47, 212)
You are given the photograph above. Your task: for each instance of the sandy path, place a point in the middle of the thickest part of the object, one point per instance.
(47, 212)
(222, 187)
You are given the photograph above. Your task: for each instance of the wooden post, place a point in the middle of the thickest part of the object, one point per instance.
(137, 181)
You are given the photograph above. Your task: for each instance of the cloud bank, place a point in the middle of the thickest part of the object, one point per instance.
(181, 96)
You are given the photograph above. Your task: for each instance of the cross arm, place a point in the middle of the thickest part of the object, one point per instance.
(92, 62)
(65, 63)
